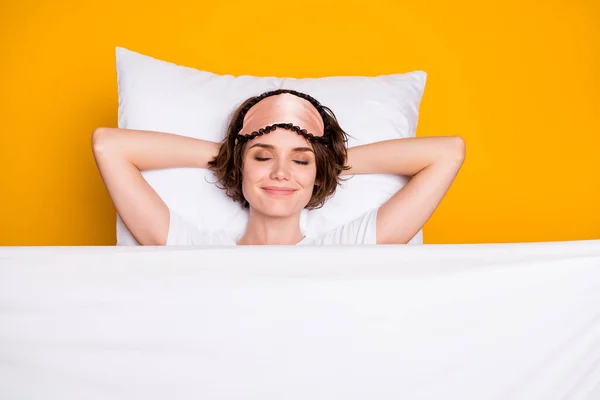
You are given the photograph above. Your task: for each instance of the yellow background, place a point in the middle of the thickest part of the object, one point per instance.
(518, 80)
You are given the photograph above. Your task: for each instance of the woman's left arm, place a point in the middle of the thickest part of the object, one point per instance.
(432, 162)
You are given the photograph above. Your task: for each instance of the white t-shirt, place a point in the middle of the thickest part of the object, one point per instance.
(362, 230)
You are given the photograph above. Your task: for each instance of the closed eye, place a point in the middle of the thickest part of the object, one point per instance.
(261, 159)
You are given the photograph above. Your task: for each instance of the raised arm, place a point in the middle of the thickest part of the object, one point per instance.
(122, 154)
(432, 162)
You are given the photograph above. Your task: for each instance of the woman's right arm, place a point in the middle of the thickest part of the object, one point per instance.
(120, 156)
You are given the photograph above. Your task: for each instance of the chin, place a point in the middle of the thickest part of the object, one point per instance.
(276, 208)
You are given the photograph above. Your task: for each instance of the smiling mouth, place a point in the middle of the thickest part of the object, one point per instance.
(273, 191)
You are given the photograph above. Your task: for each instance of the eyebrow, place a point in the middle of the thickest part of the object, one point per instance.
(270, 146)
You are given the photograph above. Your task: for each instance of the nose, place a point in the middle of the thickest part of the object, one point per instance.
(280, 170)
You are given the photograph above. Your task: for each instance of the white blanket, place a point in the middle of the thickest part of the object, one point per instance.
(504, 321)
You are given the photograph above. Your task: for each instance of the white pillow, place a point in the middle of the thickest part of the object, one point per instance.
(161, 96)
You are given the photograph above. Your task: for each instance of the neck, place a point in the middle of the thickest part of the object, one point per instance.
(265, 230)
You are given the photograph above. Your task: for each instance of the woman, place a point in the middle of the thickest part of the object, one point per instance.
(283, 152)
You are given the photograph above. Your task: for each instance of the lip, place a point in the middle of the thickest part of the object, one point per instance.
(278, 191)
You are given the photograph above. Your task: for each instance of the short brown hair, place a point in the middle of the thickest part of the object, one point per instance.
(330, 158)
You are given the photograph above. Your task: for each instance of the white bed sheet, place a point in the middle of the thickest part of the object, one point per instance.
(500, 321)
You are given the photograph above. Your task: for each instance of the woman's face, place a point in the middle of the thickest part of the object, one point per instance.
(279, 173)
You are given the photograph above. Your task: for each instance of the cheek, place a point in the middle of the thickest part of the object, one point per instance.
(254, 172)
(307, 177)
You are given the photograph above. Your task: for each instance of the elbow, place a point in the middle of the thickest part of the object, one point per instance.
(101, 139)
(457, 149)
(460, 148)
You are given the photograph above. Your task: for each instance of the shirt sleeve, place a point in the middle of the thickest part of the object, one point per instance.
(362, 230)
(184, 233)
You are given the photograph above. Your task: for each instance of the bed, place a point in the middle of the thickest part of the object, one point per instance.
(493, 321)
